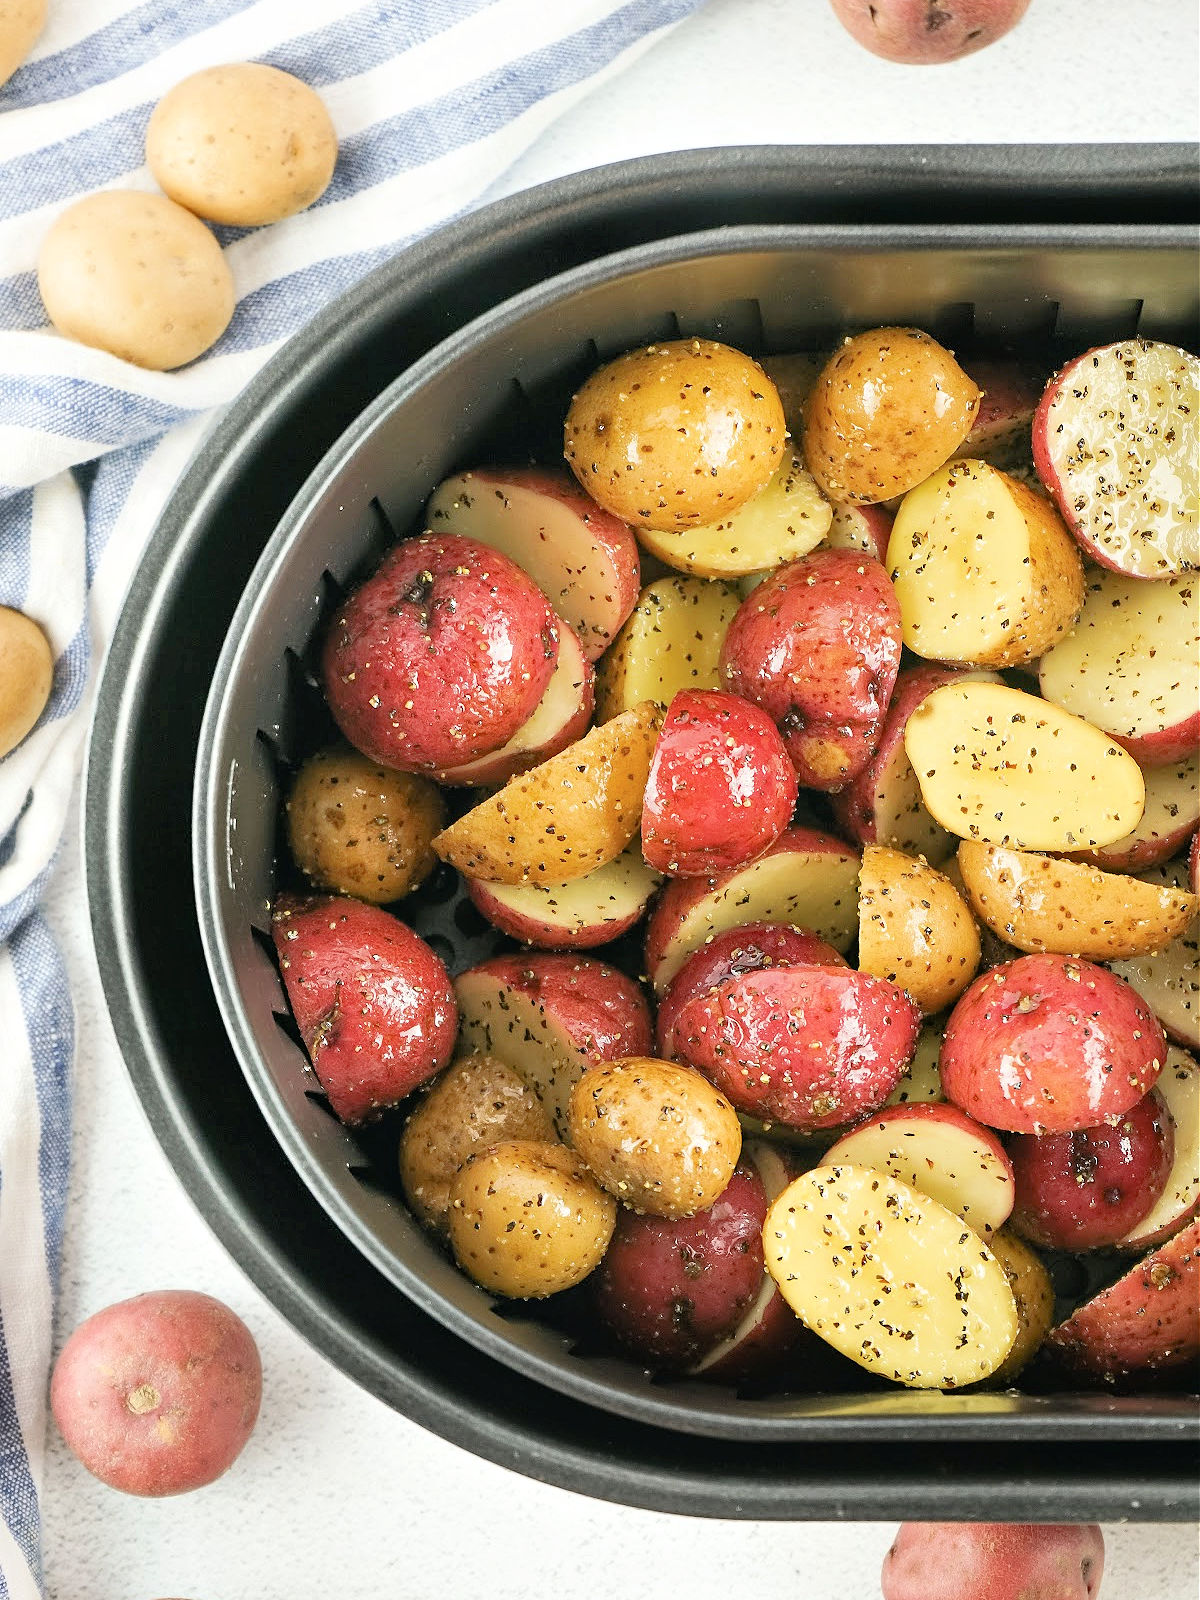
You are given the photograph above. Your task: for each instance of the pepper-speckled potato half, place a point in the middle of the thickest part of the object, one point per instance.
(670, 641)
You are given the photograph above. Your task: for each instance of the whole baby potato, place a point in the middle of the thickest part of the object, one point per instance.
(658, 1136)
(21, 21)
(528, 1220)
(157, 1395)
(926, 32)
(26, 674)
(890, 407)
(357, 828)
(244, 144)
(675, 435)
(136, 275)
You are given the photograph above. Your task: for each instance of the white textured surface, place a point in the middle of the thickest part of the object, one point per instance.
(335, 1494)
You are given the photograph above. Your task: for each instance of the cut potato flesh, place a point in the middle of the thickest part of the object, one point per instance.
(1132, 664)
(1043, 905)
(588, 911)
(1179, 1086)
(922, 1082)
(890, 1278)
(783, 522)
(497, 1020)
(1169, 980)
(984, 570)
(1005, 767)
(1171, 814)
(565, 818)
(671, 641)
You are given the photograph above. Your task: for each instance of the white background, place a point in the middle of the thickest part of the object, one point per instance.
(336, 1496)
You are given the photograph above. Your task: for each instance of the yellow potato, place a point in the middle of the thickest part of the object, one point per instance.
(1003, 766)
(21, 23)
(476, 1103)
(670, 641)
(922, 1082)
(984, 569)
(361, 829)
(914, 928)
(26, 674)
(675, 435)
(527, 1219)
(783, 522)
(565, 818)
(136, 275)
(656, 1135)
(1033, 1293)
(795, 376)
(1068, 908)
(244, 144)
(890, 407)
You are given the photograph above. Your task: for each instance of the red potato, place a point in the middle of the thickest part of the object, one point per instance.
(994, 1561)
(1147, 1321)
(810, 1047)
(159, 1394)
(721, 787)
(440, 656)
(1000, 434)
(1169, 980)
(817, 646)
(728, 955)
(1172, 811)
(1179, 1087)
(581, 557)
(1048, 1044)
(1085, 1189)
(1194, 863)
(807, 879)
(373, 1003)
(571, 916)
(861, 528)
(1115, 440)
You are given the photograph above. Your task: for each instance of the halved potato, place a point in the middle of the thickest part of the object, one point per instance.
(1000, 765)
(588, 911)
(1169, 980)
(565, 818)
(922, 1082)
(914, 928)
(984, 569)
(670, 641)
(1068, 908)
(1034, 1295)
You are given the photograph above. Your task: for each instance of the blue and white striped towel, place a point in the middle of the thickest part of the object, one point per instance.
(432, 100)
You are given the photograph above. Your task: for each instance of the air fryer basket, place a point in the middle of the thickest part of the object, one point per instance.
(497, 391)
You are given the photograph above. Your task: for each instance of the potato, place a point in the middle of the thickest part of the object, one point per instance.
(1000, 765)
(914, 929)
(984, 569)
(138, 276)
(921, 1083)
(782, 522)
(242, 143)
(670, 641)
(1169, 980)
(527, 1220)
(579, 915)
(795, 376)
(993, 1560)
(890, 1278)
(26, 676)
(1179, 1088)
(1168, 822)
(565, 818)
(1034, 1295)
(923, 34)
(476, 1103)
(890, 407)
(21, 23)
(658, 1136)
(357, 828)
(1038, 903)
(675, 435)
(158, 1395)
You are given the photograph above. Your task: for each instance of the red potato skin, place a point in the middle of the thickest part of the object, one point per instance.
(158, 1395)
(1166, 745)
(1194, 863)
(1001, 433)
(729, 955)
(817, 646)
(374, 1005)
(810, 1047)
(600, 1009)
(1049, 1044)
(546, 936)
(994, 1561)
(440, 656)
(721, 787)
(925, 33)
(1089, 1188)
(866, 528)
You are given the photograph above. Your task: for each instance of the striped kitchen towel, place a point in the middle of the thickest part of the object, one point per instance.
(432, 100)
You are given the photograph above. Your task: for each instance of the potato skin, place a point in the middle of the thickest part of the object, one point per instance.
(890, 407)
(26, 676)
(1034, 1295)
(994, 1561)
(675, 435)
(21, 23)
(528, 1220)
(658, 1136)
(360, 829)
(915, 929)
(157, 1395)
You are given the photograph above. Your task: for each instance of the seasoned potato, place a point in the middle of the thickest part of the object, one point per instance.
(890, 407)
(26, 675)
(1000, 765)
(1038, 903)
(922, 1082)
(566, 817)
(984, 569)
(1169, 980)
(592, 910)
(795, 376)
(357, 828)
(914, 929)
(1034, 1296)
(675, 435)
(658, 1136)
(476, 1103)
(670, 641)
(528, 1220)
(21, 21)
